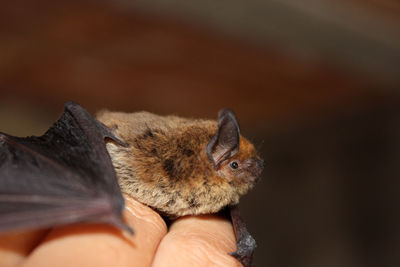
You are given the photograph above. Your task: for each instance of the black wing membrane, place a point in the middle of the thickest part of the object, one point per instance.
(65, 176)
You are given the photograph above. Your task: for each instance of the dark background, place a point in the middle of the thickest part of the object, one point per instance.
(314, 83)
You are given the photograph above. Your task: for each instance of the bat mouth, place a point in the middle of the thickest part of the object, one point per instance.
(253, 179)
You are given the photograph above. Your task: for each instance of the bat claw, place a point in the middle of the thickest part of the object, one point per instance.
(245, 242)
(245, 250)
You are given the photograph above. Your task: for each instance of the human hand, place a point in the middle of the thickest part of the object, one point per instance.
(191, 241)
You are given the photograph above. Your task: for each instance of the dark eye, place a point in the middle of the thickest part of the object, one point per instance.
(234, 165)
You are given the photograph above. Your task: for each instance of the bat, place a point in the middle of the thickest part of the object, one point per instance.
(77, 170)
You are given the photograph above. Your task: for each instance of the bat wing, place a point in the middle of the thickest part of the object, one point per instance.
(65, 176)
(245, 242)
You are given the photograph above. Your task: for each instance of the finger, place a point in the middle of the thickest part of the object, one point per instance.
(15, 246)
(103, 245)
(197, 241)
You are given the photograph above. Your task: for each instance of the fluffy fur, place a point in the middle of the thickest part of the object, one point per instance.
(165, 164)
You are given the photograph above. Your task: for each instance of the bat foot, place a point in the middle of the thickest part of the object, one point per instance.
(245, 242)
(245, 249)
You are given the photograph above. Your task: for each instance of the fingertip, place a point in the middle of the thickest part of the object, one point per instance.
(81, 245)
(137, 214)
(198, 241)
(16, 246)
(103, 245)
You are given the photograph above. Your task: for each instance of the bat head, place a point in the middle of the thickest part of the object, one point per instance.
(233, 157)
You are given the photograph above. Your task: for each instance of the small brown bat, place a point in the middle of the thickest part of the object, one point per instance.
(182, 166)
(176, 166)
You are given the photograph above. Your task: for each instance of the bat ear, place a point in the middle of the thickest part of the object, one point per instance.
(225, 143)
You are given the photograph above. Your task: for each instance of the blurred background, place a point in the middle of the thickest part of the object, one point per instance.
(314, 83)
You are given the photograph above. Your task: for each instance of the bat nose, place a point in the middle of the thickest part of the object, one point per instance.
(260, 163)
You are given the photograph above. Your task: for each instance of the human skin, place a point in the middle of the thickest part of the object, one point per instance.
(191, 241)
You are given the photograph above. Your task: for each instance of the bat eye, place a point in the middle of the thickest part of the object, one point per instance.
(234, 165)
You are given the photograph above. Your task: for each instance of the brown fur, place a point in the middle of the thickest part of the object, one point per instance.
(166, 166)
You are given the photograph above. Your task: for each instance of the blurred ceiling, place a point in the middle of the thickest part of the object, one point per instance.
(268, 60)
(363, 36)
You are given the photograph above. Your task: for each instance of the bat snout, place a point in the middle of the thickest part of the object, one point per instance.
(254, 169)
(260, 163)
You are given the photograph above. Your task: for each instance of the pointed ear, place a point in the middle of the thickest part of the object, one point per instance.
(225, 143)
